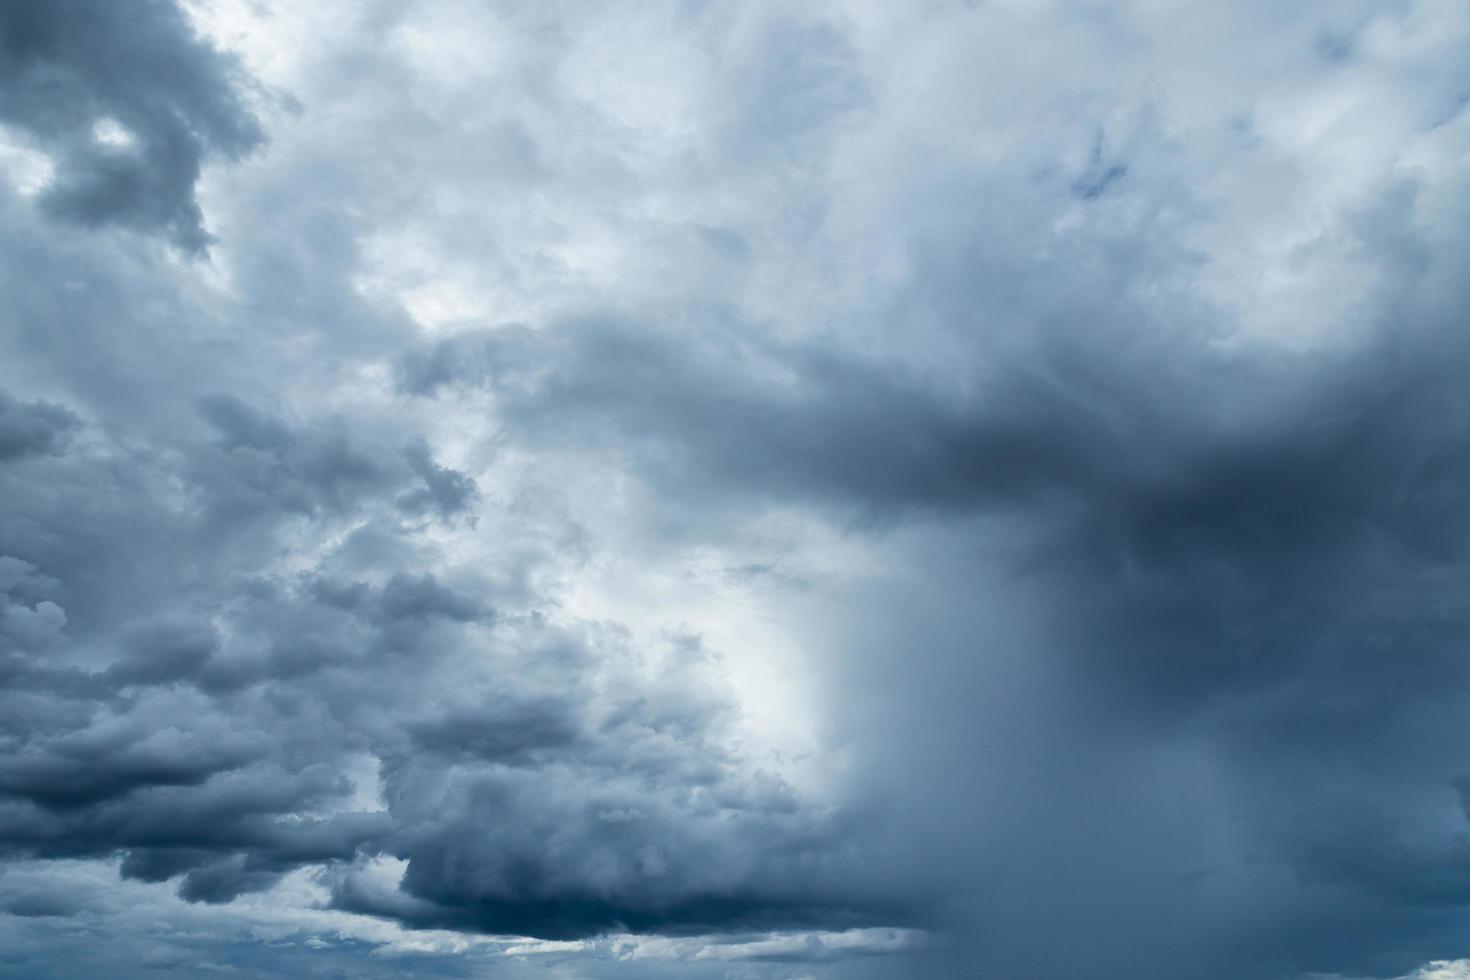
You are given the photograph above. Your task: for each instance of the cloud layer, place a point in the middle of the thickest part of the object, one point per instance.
(719, 490)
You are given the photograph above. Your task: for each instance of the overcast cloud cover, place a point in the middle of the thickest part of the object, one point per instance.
(735, 490)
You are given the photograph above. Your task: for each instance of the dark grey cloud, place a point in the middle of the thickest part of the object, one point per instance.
(1088, 433)
(32, 428)
(67, 68)
(1251, 554)
(199, 734)
(734, 416)
(138, 729)
(715, 861)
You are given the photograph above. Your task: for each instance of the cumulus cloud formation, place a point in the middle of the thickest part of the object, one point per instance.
(723, 490)
(127, 101)
(32, 428)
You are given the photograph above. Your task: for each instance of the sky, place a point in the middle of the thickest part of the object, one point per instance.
(735, 490)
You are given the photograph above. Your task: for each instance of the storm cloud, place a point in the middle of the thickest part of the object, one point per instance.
(717, 490)
(127, 101)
